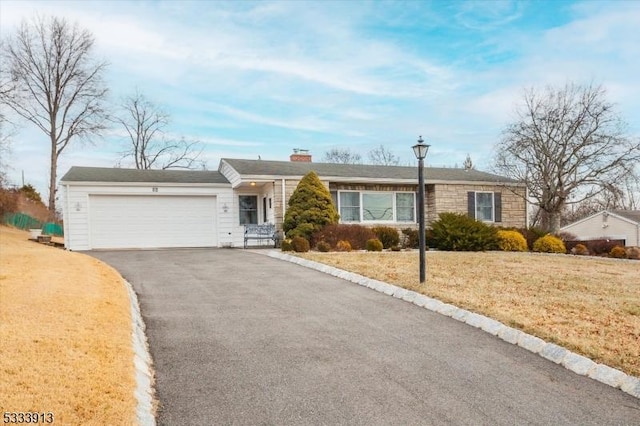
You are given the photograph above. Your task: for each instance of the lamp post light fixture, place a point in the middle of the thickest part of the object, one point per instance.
(420, 150)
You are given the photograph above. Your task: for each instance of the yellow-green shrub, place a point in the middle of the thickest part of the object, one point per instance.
(511, 241)
(374, 244)
(618, 252)
(549, 244)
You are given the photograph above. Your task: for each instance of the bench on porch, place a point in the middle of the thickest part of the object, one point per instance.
(265, 231)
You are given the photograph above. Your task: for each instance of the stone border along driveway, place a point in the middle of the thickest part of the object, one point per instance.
(145, 412)
(572, 361)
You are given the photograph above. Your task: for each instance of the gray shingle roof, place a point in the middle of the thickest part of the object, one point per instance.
(291, 168)
(106, 174)
(633, 215)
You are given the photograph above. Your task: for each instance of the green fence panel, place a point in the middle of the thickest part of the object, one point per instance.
(50, 228)
(22, 221)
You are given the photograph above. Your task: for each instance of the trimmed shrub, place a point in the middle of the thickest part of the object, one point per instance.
(459, 232)
(374, 244)
(633, 253)
(531, 234)
(410, 238)
(597, 247)
(343, 245)
(323, 246)
(310, 208)
(549, 244)
(600, 247)
(387, 235)
(286, 245)
(300, 245)
(580, 250)
(357, 235)
(618, 252)
(511, 241)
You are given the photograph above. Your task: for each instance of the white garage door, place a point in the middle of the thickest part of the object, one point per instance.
(135, 221)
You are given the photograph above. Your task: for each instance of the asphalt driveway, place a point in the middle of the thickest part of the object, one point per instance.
(241, 338)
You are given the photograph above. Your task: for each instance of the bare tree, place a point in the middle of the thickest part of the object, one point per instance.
(5, 147)
(383, 157)
(342, 156)
(52, 81)
(568, 144)
(148, 144)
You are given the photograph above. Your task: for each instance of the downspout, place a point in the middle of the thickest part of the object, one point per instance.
(65, 217)
(284, 205)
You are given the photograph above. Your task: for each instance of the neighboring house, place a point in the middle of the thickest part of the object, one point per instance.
(124, 208)
(608, 224)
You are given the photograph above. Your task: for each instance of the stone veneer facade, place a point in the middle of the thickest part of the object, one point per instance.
(439, 198)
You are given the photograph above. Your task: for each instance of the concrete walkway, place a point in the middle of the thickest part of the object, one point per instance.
(241, 338)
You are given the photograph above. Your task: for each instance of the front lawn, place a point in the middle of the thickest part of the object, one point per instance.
(588, 305)
(65, 336)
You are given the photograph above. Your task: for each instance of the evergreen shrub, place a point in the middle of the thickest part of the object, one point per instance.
(531, 234)
(300, 244)
(374, 244)
(411, 238)
(387, 235)
(310, 208)
(549, 244)
(323, 246)
(286, 245)
(459, 232)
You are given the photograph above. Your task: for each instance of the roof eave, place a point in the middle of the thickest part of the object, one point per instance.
(104, 183)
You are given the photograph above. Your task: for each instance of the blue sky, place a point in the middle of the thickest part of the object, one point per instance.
(253, 79)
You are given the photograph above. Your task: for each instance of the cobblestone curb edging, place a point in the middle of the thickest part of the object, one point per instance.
(571, 361)
(142, 364)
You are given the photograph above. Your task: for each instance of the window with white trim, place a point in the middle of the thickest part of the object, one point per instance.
(349, 206)
(356, 206)
(405, 207)
(248, 209)
(484, 206)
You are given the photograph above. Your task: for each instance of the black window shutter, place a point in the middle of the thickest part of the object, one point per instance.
(497, 203)
(471, 204)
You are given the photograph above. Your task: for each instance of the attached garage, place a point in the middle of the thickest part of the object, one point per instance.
(152, 221)
(143, 209)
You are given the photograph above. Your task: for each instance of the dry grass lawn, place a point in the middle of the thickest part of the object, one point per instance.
(65, 328)
(588, 305)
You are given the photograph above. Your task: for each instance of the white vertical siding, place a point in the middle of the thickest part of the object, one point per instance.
(77, 215)
(603, 225)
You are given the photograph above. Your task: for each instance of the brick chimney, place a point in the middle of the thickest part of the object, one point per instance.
(300, 155)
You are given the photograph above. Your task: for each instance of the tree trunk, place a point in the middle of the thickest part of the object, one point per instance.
(52, 180)
(554, 222)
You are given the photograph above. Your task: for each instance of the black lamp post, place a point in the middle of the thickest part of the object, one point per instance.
(420, 150)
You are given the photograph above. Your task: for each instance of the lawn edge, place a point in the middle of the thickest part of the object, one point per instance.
(144, 392)
(571, 361)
